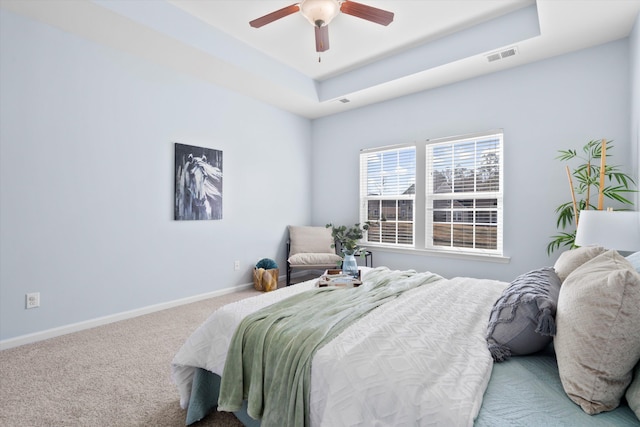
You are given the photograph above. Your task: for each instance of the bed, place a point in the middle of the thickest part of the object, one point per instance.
(415, 356)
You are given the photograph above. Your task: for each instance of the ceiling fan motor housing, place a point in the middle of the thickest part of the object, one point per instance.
(319, 12)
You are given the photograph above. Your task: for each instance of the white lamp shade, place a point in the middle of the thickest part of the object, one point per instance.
(319, 10)
(619, 230)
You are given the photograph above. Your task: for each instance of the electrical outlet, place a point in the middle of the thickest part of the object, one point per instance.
(33, 300)
(236, 265)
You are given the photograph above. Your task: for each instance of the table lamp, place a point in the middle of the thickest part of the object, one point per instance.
(619, 230)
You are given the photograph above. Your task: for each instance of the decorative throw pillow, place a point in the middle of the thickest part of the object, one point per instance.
(574, 258)
(634, 259)
(521, 321)
(311, 240)
(633, 392)
(598, 335)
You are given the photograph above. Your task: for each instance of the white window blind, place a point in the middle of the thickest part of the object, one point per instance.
(387, 194)
(464, 194)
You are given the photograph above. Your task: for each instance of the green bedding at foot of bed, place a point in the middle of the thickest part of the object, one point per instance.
(269, 359)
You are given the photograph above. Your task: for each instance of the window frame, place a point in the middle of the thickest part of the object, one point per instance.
(423, 212)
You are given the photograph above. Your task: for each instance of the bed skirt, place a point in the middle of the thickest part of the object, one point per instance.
(204, 399)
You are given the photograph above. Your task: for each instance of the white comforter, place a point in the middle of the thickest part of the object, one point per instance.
(421, 359)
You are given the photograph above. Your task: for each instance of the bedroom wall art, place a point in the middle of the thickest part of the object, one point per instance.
(198, 183)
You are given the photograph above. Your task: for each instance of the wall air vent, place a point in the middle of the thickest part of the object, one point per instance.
(496, 56)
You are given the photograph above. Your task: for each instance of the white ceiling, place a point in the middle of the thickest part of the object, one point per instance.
(353, 41)
(430, 43)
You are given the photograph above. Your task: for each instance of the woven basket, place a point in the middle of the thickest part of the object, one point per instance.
(265, 280)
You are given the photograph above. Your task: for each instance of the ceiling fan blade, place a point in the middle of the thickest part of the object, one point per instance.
(273, 16)
(322, 38)
(369, 13)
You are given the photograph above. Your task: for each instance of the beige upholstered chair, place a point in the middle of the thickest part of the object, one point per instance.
(310, 248)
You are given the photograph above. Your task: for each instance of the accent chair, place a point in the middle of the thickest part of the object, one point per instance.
(310, 248)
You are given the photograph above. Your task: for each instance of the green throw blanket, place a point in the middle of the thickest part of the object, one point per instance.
(269, 358)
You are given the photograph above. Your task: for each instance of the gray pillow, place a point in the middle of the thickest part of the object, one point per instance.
(598, 339)
(570, 260)
(522, 319)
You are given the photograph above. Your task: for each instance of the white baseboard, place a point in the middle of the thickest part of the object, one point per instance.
(92, 323)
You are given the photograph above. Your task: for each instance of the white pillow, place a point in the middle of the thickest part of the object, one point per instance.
(574, 258)
(315, 259)
(316, 240)
(597, 340)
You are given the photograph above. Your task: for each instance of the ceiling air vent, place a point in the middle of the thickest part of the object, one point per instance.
(344, 100)
(493, 57)
(507, 53)
(496, 56)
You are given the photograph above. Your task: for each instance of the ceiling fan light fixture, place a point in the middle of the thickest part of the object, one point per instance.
(319, 12)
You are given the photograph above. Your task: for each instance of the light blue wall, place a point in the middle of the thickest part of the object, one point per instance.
(86, 168)
(555, 104)
(86, 180)
(634, 54)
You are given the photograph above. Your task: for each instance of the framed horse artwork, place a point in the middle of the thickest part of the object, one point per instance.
(198, 183)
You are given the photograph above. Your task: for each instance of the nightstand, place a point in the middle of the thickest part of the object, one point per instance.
(368, 258)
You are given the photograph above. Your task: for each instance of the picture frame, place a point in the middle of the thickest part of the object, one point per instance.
(198, 183)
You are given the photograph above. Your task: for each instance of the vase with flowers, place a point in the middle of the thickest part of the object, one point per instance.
(349, 240)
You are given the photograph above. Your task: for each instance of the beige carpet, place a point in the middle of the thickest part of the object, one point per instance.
(112, 375)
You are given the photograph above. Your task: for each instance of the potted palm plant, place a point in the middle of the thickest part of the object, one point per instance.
(588, 179)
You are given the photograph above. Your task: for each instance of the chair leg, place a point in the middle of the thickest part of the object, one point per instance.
(288, 273)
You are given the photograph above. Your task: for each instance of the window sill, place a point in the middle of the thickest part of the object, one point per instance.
(442, 254)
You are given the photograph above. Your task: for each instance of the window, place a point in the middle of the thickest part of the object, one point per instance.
(388, 194)
(442, 195)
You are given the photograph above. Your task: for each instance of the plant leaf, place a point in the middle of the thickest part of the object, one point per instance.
(562, 239)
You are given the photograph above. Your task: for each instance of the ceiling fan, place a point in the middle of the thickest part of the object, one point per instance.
(320, 12)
